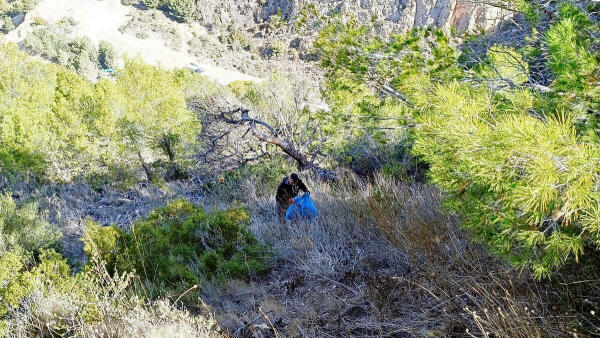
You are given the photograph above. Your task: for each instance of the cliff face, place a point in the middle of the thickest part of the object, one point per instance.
(463, 15)
(387, 15)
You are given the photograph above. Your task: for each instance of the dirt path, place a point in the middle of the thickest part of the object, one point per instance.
(100, 20)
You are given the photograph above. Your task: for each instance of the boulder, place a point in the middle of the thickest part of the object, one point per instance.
(18, 19)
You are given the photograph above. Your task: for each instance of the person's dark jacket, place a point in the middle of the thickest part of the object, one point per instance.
(286, 190)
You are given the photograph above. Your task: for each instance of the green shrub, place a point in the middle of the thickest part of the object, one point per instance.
(178, 244)
(14, 284)
(38, 21)
(107, 55)
(277, 20)
(25, 238)
(18, 279)
(234, 37)
(152, 3)
(23, 229)
(183, 10)
(101, 242)
(7, 24)
(279, 48)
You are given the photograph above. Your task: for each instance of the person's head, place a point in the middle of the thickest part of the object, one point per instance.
(294, 178)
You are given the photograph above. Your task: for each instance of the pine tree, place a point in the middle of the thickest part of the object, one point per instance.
(518, 164)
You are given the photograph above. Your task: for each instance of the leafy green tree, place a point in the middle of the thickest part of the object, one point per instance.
(33, 127)
(59, 126)
(370, 85)
(153, 119)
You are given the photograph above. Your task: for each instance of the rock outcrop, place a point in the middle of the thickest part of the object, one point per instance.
(387, 15)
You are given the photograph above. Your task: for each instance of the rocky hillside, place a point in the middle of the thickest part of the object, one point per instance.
(257, 36)
(389, 15)
(250, 36)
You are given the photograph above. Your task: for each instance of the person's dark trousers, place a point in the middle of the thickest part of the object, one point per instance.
(281, 210)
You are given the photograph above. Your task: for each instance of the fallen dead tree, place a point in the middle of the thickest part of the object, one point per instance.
(234, 138)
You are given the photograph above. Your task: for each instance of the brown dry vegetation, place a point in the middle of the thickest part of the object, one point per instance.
(384, 260)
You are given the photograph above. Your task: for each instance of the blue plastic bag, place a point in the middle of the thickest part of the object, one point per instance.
(303, 209)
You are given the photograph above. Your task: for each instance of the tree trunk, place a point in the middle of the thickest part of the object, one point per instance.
(174, 171)
(147, 170)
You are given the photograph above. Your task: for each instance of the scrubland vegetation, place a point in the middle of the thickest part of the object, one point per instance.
(59, 126)
(457, 180)
(11, 8)
(42, 297)
(183, 10)
(51, 42)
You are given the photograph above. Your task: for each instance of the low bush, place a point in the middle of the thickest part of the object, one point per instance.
(178, 245)
(183, 10)
(107, 55)
(22, 229)
(40, 296)
(39, 21)
(235, 38)
(279, 48)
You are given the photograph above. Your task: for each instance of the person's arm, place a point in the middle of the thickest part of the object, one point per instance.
(302, 186)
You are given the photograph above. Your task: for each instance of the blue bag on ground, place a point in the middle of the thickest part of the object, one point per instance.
(304, 208)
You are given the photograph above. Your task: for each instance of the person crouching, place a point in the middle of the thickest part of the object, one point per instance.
(287, 190)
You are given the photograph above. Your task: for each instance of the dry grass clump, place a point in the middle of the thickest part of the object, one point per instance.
(475, 293)
(56, 314)
(383, 260)
(98, 304)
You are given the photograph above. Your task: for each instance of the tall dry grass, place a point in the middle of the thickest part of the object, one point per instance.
(384, 259)
(101, 304)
